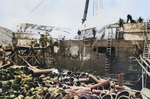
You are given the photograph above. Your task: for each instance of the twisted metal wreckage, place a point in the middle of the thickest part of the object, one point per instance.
(20, 82)
(23, 78)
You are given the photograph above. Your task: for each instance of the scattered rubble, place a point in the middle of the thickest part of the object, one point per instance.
(31, 82)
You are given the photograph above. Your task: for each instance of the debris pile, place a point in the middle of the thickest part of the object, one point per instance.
(30, 82)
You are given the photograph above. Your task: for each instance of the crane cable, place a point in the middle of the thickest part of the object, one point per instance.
(36, 7)
(82, 56)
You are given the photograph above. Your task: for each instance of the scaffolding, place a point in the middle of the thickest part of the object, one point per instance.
(144, 60)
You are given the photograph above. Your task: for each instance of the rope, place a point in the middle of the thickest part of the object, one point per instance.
(35, 7)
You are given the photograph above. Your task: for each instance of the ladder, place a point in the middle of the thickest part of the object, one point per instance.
(108, 51)
(146, 57)
(146, 51)
(148, 25)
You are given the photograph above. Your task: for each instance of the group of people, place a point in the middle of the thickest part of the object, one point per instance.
(129, 17)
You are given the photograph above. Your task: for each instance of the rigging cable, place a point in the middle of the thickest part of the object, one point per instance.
(93, 7)
(36, 7)
(102, 4)
(99, 4)
(82, 56)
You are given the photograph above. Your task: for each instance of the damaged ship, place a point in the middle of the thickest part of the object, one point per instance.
(119, 48)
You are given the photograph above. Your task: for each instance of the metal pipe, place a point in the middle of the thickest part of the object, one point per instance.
(120, 78)
(142, 78)
(144, 61)
(5, 65)
(94, 78)
(143, 67)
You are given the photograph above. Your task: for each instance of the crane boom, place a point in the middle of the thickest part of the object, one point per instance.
(85, 11)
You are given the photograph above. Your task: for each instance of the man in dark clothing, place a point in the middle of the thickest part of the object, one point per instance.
(140, 19)
(133, 21)
(79, 32)
(94, 32)
(129, 17)
(121, 22)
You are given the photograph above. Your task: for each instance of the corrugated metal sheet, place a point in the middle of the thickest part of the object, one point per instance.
(5, 36)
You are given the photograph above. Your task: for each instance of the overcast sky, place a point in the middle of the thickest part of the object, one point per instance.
(69, 13)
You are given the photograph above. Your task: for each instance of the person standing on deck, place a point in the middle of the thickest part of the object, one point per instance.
(129, 17)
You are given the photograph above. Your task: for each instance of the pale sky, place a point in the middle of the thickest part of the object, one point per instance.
(69, 13)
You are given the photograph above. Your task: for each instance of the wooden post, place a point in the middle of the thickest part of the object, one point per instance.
(120, 79)
(26, 58)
